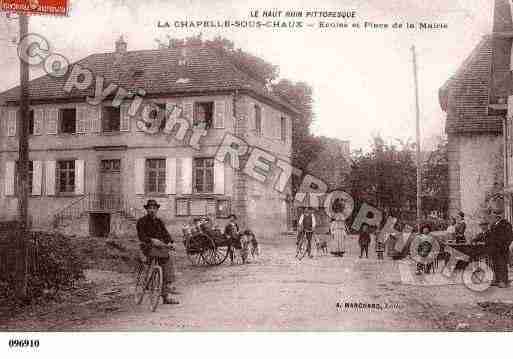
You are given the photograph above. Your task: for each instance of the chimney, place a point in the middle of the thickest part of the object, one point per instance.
(502, 21)
(120, 45)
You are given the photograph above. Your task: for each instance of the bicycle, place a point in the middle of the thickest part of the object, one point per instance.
(302, 244)
(149, 276)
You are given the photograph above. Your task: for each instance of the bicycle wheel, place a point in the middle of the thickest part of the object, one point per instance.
(155, 287)
(301, 248)
(140, 283)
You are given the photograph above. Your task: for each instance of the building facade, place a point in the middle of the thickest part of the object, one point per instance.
(476, 102)
(94, 166)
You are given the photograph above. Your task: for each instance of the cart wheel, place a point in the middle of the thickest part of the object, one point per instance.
(213, 254)
(140, 283)
(155, 287)
(194, 252)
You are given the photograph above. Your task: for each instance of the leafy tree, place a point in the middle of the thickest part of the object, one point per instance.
(385, 177)
(435, 180)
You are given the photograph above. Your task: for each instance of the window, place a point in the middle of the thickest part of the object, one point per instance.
(203, 175)
(68, 120)
(203, 114)
(223, 208)
(156, 176)
(283, 128)
(258, 120)
(182, 207)
(111, 119)
(31, 122)
(110, 165)
(66, 176)
(202, 206)
(17, 176)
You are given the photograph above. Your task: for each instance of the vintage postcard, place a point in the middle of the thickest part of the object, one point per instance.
(195, 165)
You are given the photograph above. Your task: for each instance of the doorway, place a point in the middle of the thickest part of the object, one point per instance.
(110, 184)
(99, 224)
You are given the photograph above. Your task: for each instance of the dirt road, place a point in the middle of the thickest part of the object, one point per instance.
(278, 292)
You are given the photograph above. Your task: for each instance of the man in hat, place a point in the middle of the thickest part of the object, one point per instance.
(499, 239)
(153, 233)
(307, 224)
(459, 230)
(482, 237)
(231, 231)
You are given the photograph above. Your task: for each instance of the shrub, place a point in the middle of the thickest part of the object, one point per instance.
(52, 262)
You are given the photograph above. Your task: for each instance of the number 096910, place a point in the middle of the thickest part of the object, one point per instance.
(23, 343)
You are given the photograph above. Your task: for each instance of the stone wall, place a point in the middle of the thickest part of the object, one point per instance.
(476, 170)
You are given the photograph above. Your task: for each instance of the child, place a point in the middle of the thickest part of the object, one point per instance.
(364, 240)
(380, 245)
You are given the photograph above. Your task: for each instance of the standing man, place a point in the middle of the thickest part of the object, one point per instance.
(307, 224)
(231, 232)
(499, 239)
(153, 233)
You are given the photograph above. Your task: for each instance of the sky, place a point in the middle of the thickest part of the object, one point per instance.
(362, 79)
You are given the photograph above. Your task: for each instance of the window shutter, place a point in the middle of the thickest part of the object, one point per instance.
(171, 175)
(82, 119)
(219, 113)
(187, 175)
(187, 111)
(11, 123)
(52, 115)
(95, 118)
(139, 174)
(9, 177)
(218, 177)
(263, 122)
(39, 119)
(124, 120)
(37, 176)
(79, 176)
(252, 117)
(50, 178)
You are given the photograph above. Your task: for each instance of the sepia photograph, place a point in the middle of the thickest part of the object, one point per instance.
(241, 166)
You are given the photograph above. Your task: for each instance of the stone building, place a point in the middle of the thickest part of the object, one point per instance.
(475, 101)
(93, 167)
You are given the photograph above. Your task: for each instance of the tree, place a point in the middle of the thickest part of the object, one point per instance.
(435, 184)
(385, 177)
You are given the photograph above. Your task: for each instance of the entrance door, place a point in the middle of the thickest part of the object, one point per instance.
(110, 184)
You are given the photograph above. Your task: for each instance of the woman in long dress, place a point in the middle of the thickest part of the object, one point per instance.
(338, 232)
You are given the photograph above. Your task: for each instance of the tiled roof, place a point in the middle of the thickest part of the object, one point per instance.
(466, 96)
(157, 72)
(484, 78)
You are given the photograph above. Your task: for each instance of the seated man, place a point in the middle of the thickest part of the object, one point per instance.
(152, 232)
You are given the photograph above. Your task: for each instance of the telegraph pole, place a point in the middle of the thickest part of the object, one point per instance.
(23, 163)
(417, 130)
(23, 123)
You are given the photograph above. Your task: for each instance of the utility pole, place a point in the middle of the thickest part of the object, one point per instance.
(23, 132)
(417, 130)
(23, 163)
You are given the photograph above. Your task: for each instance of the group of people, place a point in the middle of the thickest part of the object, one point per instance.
(339, 234)
(153, 233)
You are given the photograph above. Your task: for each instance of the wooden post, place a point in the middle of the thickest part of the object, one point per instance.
(417, 133)
(23, 163)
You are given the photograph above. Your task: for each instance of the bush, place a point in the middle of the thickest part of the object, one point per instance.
(52, 261)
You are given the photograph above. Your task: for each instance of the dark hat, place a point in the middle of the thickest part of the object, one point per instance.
(461, 214)
(232, 215)
(151, 203)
